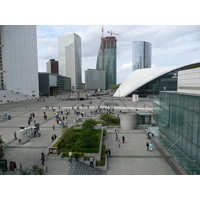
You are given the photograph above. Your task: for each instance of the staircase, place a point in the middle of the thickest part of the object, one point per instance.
(81, 168)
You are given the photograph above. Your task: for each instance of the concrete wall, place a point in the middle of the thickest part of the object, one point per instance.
(128, 121)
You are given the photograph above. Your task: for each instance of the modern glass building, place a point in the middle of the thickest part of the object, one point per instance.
(178, 117)
(18, 59)
(69, 57)
(94, 79)
(149, 82)
(110, 60)
(141, 55)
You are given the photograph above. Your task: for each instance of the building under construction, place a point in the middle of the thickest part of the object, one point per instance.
(107, 60)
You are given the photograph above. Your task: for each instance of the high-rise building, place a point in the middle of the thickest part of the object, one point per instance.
(110, 61)
(18, 59)
(141, 57)
(94, 79)
(69, 58)
(52, 66)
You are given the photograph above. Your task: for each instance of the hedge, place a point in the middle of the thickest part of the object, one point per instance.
(66, 154)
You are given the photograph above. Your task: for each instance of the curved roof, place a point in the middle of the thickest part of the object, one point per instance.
(140, 77)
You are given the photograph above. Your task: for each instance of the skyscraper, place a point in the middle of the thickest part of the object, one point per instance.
(110, 48)
(141, 57)
(18, 59)
(52, 66)
(69, 58)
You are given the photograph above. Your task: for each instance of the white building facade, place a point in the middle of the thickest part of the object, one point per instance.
(69, 57)
(18, 59)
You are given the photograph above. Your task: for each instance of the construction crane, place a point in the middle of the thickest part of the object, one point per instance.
(112, 33)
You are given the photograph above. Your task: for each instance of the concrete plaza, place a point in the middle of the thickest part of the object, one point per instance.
(130, 159)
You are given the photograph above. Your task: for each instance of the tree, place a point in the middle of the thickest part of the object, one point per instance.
(109, 118)
(114, 87)
(88, 135)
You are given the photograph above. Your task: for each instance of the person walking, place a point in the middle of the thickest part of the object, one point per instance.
(119, 143)
(15, 135)
(76, 157)
(53, 127)
(109, 153)
(42, 158)
(123, 138)
(150, 146)
(147, 146)
(116, 137)
(71, 162)
(70, 154)
(91, 162)
(52, 138)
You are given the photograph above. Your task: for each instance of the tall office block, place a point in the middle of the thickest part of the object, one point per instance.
(141, 57)
(110, 61)
(69, 57)
(18, 59)
(52, 66)
(94, 79)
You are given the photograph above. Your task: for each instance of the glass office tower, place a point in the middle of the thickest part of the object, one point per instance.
(19, 59)
(141, 57)
(69, 57)
(109, 60)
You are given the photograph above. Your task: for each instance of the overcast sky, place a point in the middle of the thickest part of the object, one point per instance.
(172, 45)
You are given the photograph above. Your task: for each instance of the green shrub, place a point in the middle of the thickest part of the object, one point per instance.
(103, 154)
(63, 144)
(74, 137)
(66, 154)
(68, 146)
(57, 144)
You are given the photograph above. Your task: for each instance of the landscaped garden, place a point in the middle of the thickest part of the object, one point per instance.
(86, 139)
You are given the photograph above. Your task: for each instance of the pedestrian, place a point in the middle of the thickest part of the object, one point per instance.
(15, 135)
(116, 137)
(149, 135)
(53, 127)
(52, 138)
(71, 162)
(42, 158)
(109, 153)
(91, 162)
(115, 129)
(70, 153)
(55, 136)
(39, 133)
(150, 146)
(119, 143)
(147, 146)
(123, 138)
(76, 157)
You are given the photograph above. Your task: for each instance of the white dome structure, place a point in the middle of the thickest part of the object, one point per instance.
(140, 77)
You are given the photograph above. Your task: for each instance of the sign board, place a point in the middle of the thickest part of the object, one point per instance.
(53, 151)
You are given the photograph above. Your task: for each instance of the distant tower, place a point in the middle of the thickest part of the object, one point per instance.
(110, 61)
(52, 66)
(69, 58)
(141, 57)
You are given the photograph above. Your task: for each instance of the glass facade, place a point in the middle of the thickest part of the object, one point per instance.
(69, 57)
(109, 60)
(141, 57)
(178, 117)
(166, 82)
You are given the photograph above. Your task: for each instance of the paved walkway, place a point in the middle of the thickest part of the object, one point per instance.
(131, 159)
